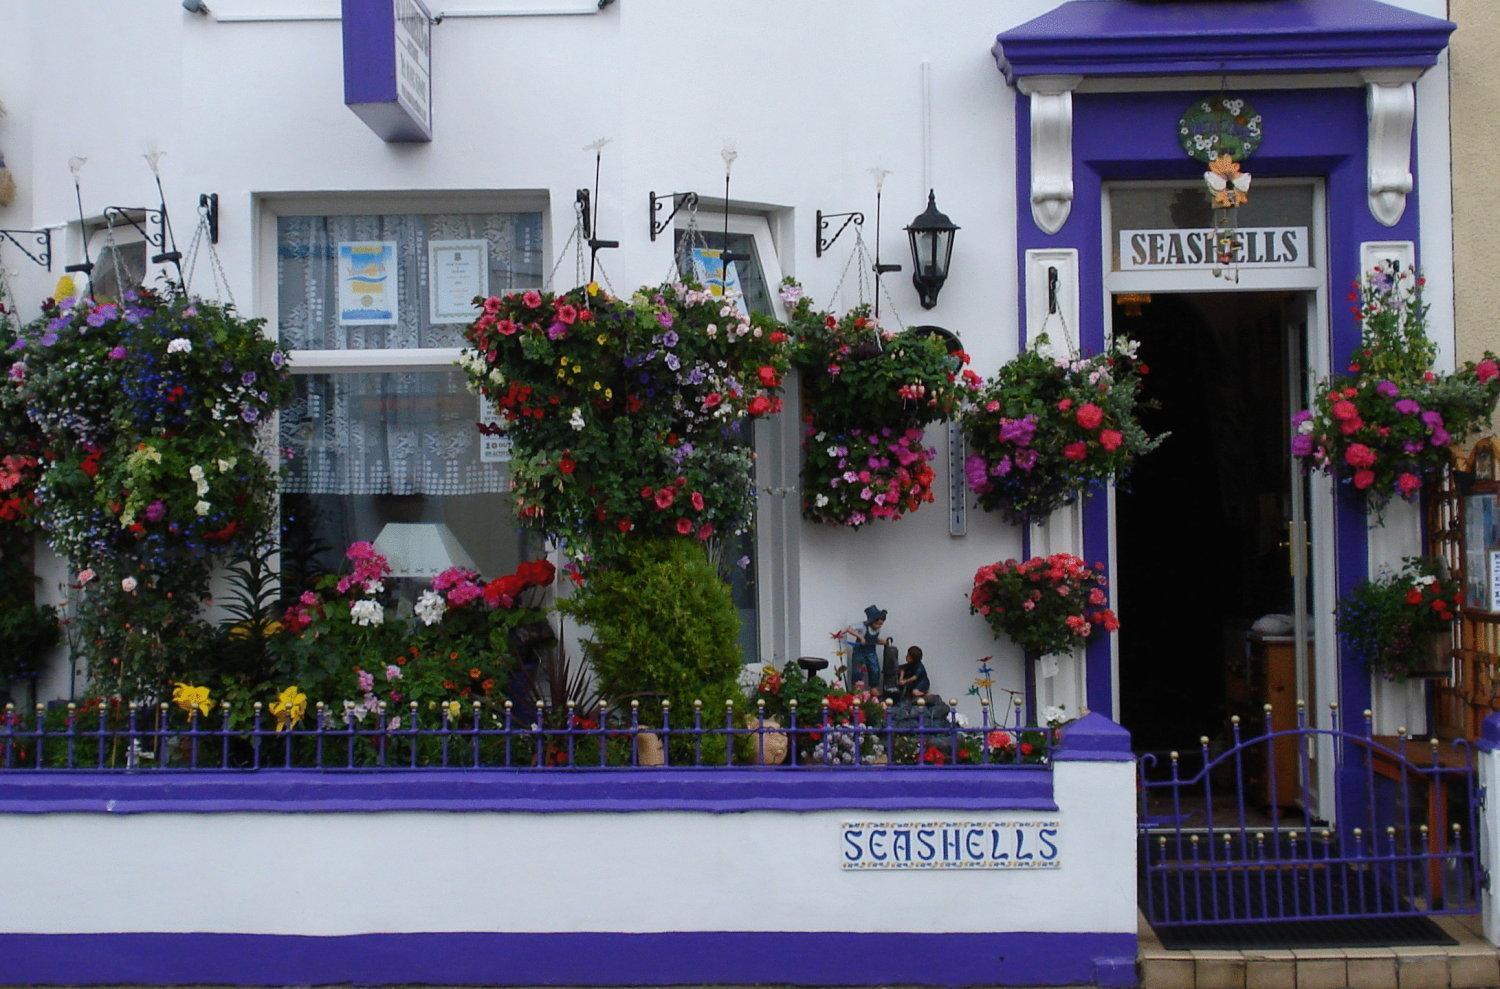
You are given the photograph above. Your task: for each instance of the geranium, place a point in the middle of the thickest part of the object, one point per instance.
(1045, 428)
(1385, 425)
(1046, 605)
(1395, 622)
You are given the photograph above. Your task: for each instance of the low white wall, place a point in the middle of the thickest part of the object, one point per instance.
(334, 874)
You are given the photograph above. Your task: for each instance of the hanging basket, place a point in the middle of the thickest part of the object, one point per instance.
(1437, 657)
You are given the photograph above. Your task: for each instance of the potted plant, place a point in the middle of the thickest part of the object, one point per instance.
(1046, 605)
(1044, 428)
(1401, 624)
(1383, 428)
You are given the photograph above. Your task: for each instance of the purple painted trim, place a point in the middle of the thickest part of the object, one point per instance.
(370, 85)
(1092, 37)
(1489, 734)
(713, 791)
(1094, 738)
(572, 959)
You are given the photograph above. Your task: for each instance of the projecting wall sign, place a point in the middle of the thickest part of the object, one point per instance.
(388, 66)
(1181, 250)
(949, 845)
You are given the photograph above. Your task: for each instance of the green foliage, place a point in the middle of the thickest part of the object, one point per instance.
(663, 625)
(1395, 621)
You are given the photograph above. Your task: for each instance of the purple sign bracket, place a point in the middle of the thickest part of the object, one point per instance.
(388, 67)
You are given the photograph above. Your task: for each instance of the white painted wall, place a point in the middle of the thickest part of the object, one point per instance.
(813, 95)
(313, 873)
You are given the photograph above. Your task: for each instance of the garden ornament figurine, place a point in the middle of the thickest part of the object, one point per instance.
(864, 667)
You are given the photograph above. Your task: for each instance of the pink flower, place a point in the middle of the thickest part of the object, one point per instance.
(86, 574)
(566, 313)
(1408, 484)
(1345, 410)
(1486, 370)
(532, 299)
(1363, 479)
(505, 328)
(1075, 451)
(308, 599)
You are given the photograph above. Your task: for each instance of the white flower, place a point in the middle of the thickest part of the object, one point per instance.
(1054, 716)
(366, 613)
(201, 508)
(196, 472)
(430, 607)
(576, 420)
(226, 465)
(128, 585)
(181, 345)
(821, 500)
(833, 451)
(1305, 426)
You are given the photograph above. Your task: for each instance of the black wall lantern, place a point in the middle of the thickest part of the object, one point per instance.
(931, 235)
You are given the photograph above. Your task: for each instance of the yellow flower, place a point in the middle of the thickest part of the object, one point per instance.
(609, 394)
(592, 288)
(191, 698)
(289, 708)
(597, 386)
(455, 709)
(601, 339)
(65, 289)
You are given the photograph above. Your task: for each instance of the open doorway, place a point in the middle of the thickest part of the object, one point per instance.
(1202, 523)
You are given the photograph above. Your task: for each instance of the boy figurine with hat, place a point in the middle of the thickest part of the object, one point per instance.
(864, 664)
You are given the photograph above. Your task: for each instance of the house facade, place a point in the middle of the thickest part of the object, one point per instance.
(487, 142)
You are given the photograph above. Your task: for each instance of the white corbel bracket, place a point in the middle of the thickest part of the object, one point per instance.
(1051, 148)
(1391, 107)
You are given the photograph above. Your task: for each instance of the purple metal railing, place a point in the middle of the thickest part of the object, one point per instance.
(158, 737)
(1219, 846)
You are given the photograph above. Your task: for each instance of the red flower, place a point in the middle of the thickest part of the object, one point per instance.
(536, 573)
(1485, 370)
(705, 532)
(646, 491)
(684, 527)
(665, 496)
(623, 525)
(506, 328)
(1075, 451)
(1089, 415)
(501, 592)
(1363, 479)
(566, 313)
(697, 500)
(712, 400)
(760, 405)
(1359, 455)
(1345, 410)
(1111, 439)
(566, 464)
(532, 299)
(935, 756)
(768, 377)
(1065, 405)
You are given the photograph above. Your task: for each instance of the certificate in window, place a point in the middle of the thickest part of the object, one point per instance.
(457, 271)
(368, 286)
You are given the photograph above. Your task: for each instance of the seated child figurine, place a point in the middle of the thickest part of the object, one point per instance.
(911, 676)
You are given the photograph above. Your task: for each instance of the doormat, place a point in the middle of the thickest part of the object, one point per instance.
(1363, 932)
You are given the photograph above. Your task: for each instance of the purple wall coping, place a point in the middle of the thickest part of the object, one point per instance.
(1489, 733)
(1094, 738)
(574, 959)
(1124, 38)
(714, 791)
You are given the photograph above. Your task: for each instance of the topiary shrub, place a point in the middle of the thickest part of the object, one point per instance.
(663, 626)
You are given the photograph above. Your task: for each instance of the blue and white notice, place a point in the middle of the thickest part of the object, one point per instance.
(949, 845)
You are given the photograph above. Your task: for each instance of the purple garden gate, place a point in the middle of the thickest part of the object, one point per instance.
(1233, 837)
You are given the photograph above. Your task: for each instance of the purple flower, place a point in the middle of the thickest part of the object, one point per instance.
(977, 471)
(155, 511)
(134, 314)
(17, 371)
(669, 338)
(1388, 389)
(1026, 459)
(131, 295)
(665, 319)
(1301, 417)
(57, 323)
(673, 362)
(1412, 447)
(250, 414)
(18, 344)
(1001, 468)
(1302, 446)
(117, 353)
(695, 376)
(190, 311)
(557, 331)
(1018, 431)
(1440, 436)
(277, 358)
(742, 562)
(1408, 407)
(247, 379)
(1432, 420)
(48, 339)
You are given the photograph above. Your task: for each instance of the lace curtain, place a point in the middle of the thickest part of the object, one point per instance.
(402, 431)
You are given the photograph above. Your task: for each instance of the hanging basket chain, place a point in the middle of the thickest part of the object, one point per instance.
(574, 237)
(114, 254)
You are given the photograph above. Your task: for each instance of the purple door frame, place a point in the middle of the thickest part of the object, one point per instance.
(1309, 133)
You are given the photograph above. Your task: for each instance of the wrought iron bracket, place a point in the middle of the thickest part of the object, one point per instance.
(43, 245)
(208, 206)
(678, 201)
(825, 220)
(156, 216)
